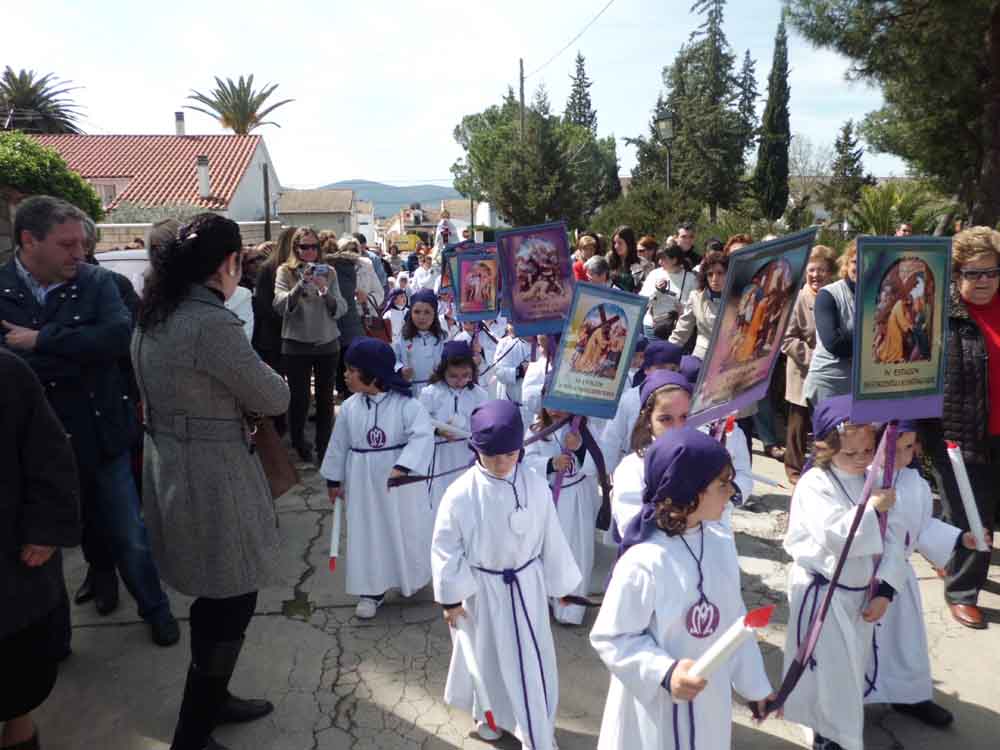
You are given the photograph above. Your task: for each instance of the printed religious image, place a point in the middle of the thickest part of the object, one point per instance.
(901, 305)
(537, 276)
(904, 313)
(762, 283)
(594, 351)
(478, 286)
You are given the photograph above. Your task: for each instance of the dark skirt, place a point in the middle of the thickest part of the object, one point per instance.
(29, 667)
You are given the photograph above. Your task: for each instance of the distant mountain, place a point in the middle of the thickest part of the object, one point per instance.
(388, 199)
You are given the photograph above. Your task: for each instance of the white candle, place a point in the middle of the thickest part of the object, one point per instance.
(335, 537)
(723, 648)
(451, 429)
(968, 499)
(463, 639)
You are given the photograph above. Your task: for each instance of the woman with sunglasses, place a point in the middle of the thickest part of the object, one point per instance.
(971, 409)
(307, 297)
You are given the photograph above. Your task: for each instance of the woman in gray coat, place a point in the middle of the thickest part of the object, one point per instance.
(206, 499)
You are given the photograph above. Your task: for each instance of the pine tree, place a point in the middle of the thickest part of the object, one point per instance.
(579, 108)
(748, 101)
(847, 175)
(770, 180)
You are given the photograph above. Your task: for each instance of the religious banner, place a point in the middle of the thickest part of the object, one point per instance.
(593, 355)
(537, 277)
(901, 305)
(762, 283)
(478, 295)
(447, 283)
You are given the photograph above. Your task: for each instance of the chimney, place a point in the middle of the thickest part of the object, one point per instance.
(204, 181)
(179, 123)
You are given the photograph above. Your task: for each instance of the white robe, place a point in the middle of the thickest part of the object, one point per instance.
(616, 440)
(904, 667)
(828, 698)
(388, 530)
(629, 483)
(511, 352)
(640, 633)
(579, 502)
(445, 404)
(424, 278)
(396, 318)
(487, 373)
(472, 530)
(531, 389)
(422, 354)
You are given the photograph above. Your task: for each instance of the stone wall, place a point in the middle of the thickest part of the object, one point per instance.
(115, 236)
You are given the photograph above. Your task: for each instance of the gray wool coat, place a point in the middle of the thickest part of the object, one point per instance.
(206, 500)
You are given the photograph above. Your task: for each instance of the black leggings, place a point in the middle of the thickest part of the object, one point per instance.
(221, 620)
(300, 367)
(28, 661)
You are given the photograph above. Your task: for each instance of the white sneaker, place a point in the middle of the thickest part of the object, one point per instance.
(487, 734)
(367, 608)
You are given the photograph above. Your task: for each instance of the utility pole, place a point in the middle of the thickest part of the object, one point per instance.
(521, 60)
(267, 202)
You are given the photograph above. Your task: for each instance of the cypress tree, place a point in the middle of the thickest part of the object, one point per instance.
(770, 178)
(579, 108)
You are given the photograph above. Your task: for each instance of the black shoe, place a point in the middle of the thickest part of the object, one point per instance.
(929, 712)
(305, 451)
(105, 591)
(239, 710)
(822, 743)
(86, 591)
(165, 631)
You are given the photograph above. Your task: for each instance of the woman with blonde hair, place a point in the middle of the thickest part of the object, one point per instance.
(830, 367)
(307, 296)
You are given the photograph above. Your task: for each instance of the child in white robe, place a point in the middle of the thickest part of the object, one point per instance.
(479, 336)
(578, 503)
(511, 361)
(666, 399)
(673, 592)
(451, 397)
(829, 696)
(395, 313)
(381, 433)
(498, 554)
(418, 349)
(901, 675)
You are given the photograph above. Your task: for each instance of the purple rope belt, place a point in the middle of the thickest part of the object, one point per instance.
(510, 578)
(677, 730)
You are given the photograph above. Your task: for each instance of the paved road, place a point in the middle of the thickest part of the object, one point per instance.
(340, 683)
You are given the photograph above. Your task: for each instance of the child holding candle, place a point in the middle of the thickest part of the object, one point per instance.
(395, 313)
(902, 673)
(381, 432)
(673, 592)
(498, 553)
(450, 399)
(418, 350)
(578, 501)
(829, 696)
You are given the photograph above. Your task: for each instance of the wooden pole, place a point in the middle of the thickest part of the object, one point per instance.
(521, 60)
(267, 202)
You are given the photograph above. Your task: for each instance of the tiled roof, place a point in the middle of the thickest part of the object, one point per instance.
(315, 201)
(457, 207)
(160, 168)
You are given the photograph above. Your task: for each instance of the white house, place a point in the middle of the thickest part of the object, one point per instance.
(321, 209)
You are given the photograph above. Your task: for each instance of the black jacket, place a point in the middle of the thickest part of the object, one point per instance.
(266, 322)
(966, 416)
(84, 332)
(39, 496)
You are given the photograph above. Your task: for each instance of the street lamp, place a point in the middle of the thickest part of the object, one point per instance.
(665, 128)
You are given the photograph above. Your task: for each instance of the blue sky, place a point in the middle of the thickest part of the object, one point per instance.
(380, 85)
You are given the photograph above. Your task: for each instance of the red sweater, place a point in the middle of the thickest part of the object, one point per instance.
(987, 317)
(579, 271)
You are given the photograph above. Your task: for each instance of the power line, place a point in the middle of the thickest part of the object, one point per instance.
(571, 41)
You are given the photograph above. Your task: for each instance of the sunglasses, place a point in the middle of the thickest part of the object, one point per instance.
(309, 246)
(977, 274)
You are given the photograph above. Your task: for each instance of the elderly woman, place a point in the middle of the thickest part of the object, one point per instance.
(307, 296)
(798, 346)
(586, 247)
(703, 304)
(830, 368)
(971, 408)
(205, 496)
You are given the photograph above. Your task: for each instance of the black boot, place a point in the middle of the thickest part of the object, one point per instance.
(106, 591)
(239, 710)
(205, 692)
(929, 712)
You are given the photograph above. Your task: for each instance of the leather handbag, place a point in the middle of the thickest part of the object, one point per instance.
(278, 467)
(375, 326)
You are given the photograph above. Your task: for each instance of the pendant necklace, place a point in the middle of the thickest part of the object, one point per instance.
(703, 618)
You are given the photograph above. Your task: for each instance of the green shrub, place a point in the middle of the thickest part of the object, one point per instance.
(33, 169)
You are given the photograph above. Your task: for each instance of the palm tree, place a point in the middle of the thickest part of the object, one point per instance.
(36, 104)
(236, 105)
(882, 208)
